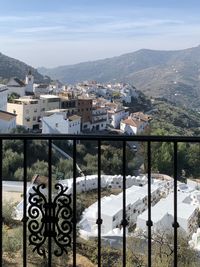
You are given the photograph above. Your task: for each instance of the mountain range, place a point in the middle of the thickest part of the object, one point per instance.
(10, 67)
(174, 75)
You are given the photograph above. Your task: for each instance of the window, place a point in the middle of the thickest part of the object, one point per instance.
(34, 118)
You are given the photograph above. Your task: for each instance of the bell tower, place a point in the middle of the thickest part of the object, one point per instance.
(29, 82)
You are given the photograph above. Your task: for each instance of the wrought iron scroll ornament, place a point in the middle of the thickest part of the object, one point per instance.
(50, 220)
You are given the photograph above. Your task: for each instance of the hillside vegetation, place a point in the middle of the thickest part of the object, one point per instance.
(10, 67)
(169, 119)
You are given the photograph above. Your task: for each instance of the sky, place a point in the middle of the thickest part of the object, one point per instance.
(51, 33)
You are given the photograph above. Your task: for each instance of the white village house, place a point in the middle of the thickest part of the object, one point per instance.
(162, 215)
(99, 118)
(116, 113)
(3, 97)
(28, 111)
(7, 121)
(16, 86)
(59, 122)
(135, 123)
(136, 203)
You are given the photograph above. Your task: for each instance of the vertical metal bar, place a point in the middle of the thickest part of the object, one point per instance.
(124, 220)
(99, 220)
(49, 198)
(25, 206)
(175, 224)
(74, 203)
(1, 206)
(149, 222)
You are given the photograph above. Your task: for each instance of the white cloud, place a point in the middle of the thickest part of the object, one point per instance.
(17, 19)
(52, 39)
(39, 29)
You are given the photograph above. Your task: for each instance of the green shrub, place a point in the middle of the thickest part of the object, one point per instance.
(8, 213)
(12, 240)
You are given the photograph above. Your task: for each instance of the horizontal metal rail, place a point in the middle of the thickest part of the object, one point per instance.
(187, 139)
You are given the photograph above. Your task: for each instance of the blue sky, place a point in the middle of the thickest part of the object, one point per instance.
(60, 32)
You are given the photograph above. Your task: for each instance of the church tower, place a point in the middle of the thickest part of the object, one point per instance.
(29, 82)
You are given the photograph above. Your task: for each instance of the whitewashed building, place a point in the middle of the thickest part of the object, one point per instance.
(112, 209)
(7, 121)
(128, 92)
(116, 115)
(3, 97)
(17, 86)
(162, 215)
(28, 111)
(59, 122)
(135, 123)
(99, 118)
(49, 102)
(41, 89)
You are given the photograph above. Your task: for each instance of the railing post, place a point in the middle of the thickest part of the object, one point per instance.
(175, 223)
(50, 198)
(99, 220)
(124, 220)
(149, 222)
(1, 206)
(74, 202)
(25, 206)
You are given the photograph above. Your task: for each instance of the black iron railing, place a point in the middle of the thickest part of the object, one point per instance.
(99, 139)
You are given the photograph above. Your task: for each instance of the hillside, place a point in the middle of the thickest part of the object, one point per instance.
(174, 75)
(10, 67)
(172, 120)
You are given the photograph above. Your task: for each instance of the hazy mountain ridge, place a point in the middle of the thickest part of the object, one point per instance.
(10, 67)
(174, 75)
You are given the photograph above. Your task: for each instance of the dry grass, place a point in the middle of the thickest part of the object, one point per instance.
(12, 196)
(82, 262)
(17, 261)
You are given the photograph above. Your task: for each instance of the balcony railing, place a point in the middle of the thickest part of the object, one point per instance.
(50, 221)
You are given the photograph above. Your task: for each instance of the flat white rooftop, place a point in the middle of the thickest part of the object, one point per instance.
(49, 96)
(166, 206)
